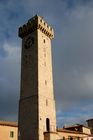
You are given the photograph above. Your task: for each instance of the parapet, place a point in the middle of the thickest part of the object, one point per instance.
(33, 24)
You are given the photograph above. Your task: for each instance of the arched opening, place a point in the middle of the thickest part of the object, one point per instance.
(47, 124)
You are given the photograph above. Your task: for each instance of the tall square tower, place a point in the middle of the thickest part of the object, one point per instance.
(37, 105)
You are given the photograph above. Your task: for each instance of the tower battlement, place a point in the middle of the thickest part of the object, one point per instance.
(33, 24)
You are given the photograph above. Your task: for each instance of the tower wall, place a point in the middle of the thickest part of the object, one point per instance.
(37, 105)
(46, 102)
(28, 105)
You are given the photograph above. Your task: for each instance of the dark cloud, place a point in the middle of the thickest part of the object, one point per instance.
(9, 82)
(72, 55)
(73, 68)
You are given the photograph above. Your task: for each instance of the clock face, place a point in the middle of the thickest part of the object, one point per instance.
(29, 42)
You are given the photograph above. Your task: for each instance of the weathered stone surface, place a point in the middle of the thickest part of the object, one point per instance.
(37, 105)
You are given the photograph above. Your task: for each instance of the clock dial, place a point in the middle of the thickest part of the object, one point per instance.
(29, 42)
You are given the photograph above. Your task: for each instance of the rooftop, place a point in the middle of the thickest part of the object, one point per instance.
(76, 125)
(6, 123)
(73, 132)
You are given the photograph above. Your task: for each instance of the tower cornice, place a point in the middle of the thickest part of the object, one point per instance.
(33, 24)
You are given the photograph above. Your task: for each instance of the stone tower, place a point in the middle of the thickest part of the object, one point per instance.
(37, 105)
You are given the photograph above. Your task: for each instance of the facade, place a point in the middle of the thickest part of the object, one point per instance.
(73, 135)
(90, 124)
(8, 130)
(37, 105)
(79, 128)
(76, 132)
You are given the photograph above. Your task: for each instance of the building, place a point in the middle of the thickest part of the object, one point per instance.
(75, 132)
(90, 124)
(79, 128)
(68, 134)
(37, 105)
(8, 130)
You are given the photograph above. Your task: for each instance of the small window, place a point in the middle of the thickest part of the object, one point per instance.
(45, 82)
(47, 124)
(44, 41)
(40, 20)
(47, 26)
(78, 138)
(11, 134)
(70, 138)
(63, 138)
(46, 102)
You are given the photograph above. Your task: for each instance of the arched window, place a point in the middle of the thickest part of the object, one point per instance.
(47, 124)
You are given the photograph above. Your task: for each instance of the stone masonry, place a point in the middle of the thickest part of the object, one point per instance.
(37, 105)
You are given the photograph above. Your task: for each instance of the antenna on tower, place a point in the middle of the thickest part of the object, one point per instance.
(33, 13)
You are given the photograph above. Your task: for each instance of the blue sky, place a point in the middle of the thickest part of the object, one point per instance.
(72, 50)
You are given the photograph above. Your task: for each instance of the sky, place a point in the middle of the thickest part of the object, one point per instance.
(72, 50)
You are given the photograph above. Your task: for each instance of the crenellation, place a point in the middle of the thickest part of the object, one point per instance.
(26, 29)
(34, 24)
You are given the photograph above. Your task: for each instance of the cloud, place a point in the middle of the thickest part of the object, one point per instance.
(72, 55)
(73, 68)
(9, 82)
